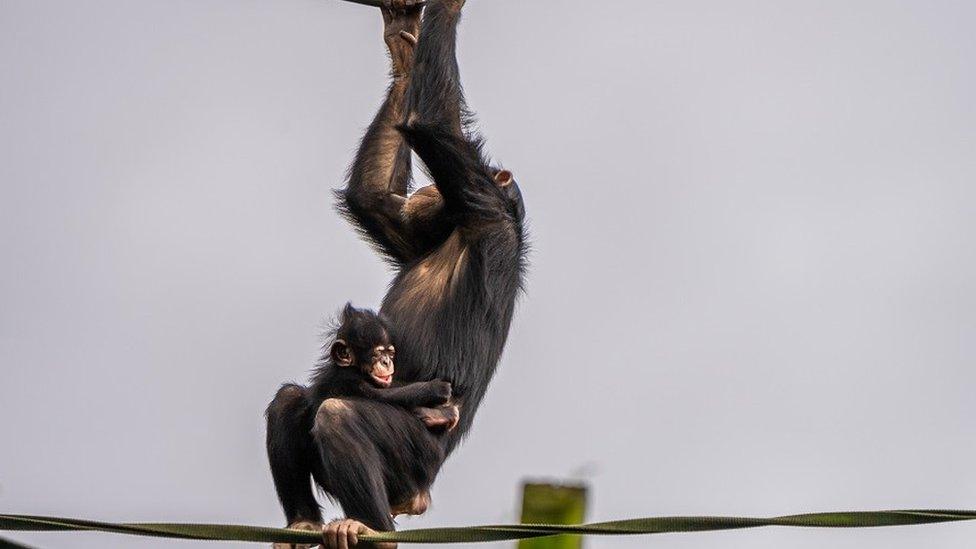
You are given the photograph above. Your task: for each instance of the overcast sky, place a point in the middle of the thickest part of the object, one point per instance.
(753, 284)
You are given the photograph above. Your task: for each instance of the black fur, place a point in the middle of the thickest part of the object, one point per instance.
(363, 330)
(449, 307)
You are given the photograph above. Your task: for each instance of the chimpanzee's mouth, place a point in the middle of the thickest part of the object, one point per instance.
(383, 381)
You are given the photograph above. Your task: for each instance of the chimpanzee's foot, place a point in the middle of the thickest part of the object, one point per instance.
(401, 20)
(300, 525)
(451, 415)
(445, 417)
(415, 506)
(343, 534)
(401, 26)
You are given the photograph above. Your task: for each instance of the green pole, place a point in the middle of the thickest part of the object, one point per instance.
(544, 503)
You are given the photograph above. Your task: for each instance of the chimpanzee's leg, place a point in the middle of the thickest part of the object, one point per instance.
(351, 468)
(435, 95)
(374, 457)
(291, 454)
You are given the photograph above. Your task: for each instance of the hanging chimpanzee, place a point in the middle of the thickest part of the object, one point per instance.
(458, 248)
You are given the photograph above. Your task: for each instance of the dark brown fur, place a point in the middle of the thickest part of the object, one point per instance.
(459, 259)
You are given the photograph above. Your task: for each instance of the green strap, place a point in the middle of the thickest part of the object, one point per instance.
(502, 532)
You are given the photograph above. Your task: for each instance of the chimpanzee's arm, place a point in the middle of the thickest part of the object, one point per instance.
(411, 395)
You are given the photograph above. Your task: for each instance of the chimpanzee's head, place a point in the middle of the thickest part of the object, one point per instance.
(506, 182)
(362, 341)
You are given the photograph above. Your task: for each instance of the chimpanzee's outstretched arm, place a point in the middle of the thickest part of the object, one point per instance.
(379, 178)
(433, 125)
(411, 395)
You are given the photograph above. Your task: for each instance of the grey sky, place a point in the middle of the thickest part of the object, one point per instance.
(753, 285)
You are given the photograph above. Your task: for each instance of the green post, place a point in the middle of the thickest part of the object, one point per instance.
(553, 504)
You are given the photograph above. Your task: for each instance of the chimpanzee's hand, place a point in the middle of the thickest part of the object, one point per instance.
(440, 391)
(343, 534)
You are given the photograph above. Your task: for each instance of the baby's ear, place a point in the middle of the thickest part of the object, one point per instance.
(341, 354)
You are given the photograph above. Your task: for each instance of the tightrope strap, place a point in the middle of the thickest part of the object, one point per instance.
(502, 532)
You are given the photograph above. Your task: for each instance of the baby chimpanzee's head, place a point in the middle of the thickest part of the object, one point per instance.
(362, 341)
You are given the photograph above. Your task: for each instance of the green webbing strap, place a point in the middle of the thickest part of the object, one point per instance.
(470, 534)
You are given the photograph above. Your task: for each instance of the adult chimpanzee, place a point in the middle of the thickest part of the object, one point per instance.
(458, 249)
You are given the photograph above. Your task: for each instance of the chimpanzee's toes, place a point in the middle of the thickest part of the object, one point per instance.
(454, 417)
(300, 525)
(411, 39)
(330, 535)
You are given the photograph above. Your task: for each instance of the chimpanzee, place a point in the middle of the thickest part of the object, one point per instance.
(360, 363)
(458, 247)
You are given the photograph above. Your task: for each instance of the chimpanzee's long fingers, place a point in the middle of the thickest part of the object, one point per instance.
(358, 528)
(343, 534)
(329, 533)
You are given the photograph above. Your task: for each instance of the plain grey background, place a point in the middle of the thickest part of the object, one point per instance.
(753, 285)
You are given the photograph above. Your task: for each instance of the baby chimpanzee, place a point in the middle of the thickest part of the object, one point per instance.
(360, 365)
(358, 371)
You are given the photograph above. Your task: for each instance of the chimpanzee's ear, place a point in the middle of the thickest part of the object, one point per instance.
(504, 178)
(341, 354)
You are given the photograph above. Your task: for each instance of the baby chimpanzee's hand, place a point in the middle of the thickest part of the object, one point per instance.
(441, 391)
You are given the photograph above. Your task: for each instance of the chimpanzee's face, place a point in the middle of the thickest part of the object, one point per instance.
(379, 367)
(363, 343)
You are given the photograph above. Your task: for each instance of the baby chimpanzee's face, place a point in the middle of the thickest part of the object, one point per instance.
(363, 342)
(380, 365)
